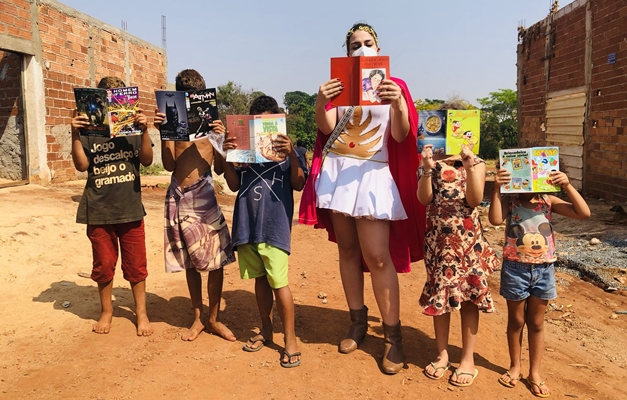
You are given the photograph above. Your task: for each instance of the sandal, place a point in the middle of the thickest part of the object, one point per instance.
(458, 374)
(509, 383)
(532, 384)
(435, 375)
(288, 364)
(255, 339)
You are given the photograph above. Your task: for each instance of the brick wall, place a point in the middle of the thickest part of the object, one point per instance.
(606, 146)
(15, 18)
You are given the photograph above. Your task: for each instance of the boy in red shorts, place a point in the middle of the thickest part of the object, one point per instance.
(112, 208)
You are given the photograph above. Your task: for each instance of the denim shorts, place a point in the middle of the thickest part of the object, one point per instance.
(521, 280)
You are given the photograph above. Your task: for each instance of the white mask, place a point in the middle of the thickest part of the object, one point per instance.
(365, 51)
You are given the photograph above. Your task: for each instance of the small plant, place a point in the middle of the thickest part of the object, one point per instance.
(152, 169)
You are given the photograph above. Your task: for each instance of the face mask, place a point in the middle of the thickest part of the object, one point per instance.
(365, 51)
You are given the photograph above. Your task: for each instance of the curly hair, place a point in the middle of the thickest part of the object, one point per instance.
(264, 104)
(110, 82)
(189, 79)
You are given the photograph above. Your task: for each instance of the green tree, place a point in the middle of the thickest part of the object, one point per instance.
(428, 104)
(300, 118)
(297, 97)
(499, 122)
(233, 100)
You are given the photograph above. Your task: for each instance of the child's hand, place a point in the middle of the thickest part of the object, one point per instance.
(559, 178)
(468, 157)
(141, 120)
(229, 143)
(502, 177)
(427, 157)
(330, 89)
(79, 121)
(159, 118)
(218, 127)
(283, 144)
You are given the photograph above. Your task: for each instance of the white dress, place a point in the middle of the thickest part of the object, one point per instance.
(355, 177)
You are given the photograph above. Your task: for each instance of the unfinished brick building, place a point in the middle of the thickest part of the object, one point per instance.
(47, 49)
(572, 81)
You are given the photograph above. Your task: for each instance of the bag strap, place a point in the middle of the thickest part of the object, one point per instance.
(338, 130)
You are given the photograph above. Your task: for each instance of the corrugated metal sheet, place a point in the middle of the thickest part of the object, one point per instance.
(564, 128)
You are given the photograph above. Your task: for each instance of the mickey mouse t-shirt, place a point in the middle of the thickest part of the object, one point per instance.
(112, 193)
(529, 233)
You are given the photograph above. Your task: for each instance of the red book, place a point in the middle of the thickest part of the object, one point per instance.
(361, 77)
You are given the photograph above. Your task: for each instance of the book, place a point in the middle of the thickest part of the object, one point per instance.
(449, 130)
(530, 169)
(254, 135)
(111, 112)
(188, 114)
(361, 77)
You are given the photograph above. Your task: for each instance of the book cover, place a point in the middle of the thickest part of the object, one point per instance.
(202, 111)
(93, 103)
(432, 130)
(530, 169)
(173, 105)
(123, 103)
(254, 135)
(361, 77)
(462, 129)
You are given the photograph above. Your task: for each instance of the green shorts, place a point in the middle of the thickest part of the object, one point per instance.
(262, 259)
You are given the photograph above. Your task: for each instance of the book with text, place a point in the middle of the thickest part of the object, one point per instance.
(530, 169)
(361, 77)
(187, 114)
(123, 104)
(254, 135)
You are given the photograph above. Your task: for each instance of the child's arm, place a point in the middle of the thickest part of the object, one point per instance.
(221, 166)
(145, 153)
(425, 190)
(475, 178)
(577, 208)
(168, 158)
(499, 206)
(79, 158)
(297, 176)
(228, 144)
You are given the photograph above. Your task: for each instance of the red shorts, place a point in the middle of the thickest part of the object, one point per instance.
(104, 244)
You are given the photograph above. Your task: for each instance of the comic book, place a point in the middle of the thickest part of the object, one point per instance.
(187, 114)
(449, 130)
(254, 135)
(361, 77)
(530, 168)
(93, 103)
(123, 103)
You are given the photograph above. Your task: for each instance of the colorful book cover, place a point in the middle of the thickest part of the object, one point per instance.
(462, 129)
(530, 169)
(254, 135)
(432, 130)
(361, 77)
(187, 114)
(123, 103)
(202, 111)
(93, 104)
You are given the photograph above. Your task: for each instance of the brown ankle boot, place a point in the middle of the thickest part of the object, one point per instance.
(393, 351)
(356, 332)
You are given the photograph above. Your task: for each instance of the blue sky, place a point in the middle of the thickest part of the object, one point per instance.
(441, 48)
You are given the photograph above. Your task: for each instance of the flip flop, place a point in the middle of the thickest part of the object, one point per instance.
(289, 356)
(435, 376)
(255, 339)
(511, 379)
(538, 385)
(458, 374)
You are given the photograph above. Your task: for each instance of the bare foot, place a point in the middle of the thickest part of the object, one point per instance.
(218, 328)
(291, 357)
(104, 323)
(193, 332)
(144, 328)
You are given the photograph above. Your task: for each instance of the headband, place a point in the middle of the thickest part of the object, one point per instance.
(364, 28)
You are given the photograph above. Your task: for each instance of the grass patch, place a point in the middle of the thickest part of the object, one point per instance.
(152, 169)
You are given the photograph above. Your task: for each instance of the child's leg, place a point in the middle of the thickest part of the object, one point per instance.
(263, 294)
(194, 285)
(470, 325)
(106, 308)
(144, 328)
(535, 329)
(441, 326)
(285, 306)
(515, 325)
(214, 287)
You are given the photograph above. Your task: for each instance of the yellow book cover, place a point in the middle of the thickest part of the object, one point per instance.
(462, 129)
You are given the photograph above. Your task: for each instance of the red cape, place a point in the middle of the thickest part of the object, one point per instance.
(406, 236)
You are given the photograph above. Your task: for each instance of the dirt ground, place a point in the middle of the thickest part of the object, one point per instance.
(47, 351)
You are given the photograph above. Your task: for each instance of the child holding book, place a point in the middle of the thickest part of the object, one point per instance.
(528, 276)
(262, 224)
(196, 235)
(458, 258)
(112, 208)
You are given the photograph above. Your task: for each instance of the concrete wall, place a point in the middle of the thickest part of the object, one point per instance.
(569, 51)
(12, 140)
(70, 49)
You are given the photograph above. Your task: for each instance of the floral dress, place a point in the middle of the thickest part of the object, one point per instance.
(458, 258)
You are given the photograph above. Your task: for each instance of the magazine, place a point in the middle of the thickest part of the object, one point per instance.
(530, 168)
(449, 130)
(254, 135)
(111, 112)
(361, 77)
(188, 115)
(93, 104)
